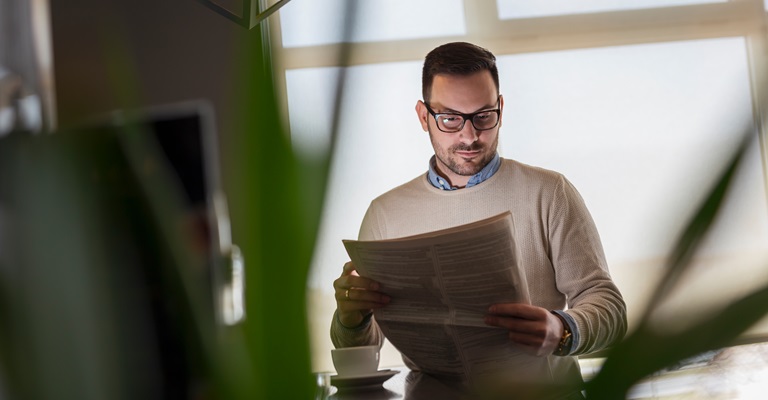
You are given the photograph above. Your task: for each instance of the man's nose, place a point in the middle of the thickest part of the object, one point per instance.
(468, 134)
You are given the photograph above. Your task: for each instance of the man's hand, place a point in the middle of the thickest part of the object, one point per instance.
(536, 330)
(356, 296)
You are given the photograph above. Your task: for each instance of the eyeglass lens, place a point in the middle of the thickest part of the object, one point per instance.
(455, 122)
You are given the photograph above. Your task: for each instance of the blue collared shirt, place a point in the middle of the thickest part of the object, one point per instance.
(485, 173)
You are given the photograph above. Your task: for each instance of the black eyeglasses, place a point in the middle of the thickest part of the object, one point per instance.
(454, 122)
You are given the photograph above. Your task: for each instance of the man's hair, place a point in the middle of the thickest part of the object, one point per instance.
(457, 58)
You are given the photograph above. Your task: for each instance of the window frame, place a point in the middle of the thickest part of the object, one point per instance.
(736, 18)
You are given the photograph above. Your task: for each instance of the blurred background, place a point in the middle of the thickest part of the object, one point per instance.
(638, 103)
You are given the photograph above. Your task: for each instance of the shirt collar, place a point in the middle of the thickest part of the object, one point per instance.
(485, 173)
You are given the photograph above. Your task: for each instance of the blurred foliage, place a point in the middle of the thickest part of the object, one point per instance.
(95, 301)
(99, 298)
(97, 295)
(648, 349)
(280, 223)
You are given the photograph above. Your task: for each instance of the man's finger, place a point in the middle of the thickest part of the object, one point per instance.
(520, 325)
(517, 310)
(354, 281)
(348, 268)
(360, 295)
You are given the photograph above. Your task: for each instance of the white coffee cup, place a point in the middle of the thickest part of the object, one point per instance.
(356, 361)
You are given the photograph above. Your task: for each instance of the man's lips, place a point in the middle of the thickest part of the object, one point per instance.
(467, 153)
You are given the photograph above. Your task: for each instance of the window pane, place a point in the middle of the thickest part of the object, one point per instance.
(510, 9)
(311, 111)
(312, 23)
(642, 131)
(373, 154)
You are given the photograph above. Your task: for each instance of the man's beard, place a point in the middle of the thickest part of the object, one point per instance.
(449, 158)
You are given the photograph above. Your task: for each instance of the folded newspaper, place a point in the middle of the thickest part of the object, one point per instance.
(441, 284)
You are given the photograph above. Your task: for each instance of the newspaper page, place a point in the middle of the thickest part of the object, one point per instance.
(441, 285)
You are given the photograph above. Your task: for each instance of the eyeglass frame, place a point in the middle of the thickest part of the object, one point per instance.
(465, 117)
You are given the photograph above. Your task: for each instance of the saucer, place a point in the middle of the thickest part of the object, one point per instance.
(368, 381)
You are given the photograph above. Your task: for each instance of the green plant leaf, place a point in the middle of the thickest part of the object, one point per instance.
(647, 350)
(695, 231)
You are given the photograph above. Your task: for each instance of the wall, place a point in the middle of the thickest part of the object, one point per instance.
(163, 51)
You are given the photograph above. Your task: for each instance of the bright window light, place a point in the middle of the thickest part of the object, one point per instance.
(311, 111)
(510, 9)
(373, 154)
(640, 130)
(312, 23)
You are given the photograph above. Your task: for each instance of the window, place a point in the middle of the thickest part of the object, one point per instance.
(641, 131)
(510, 9)
(638, 115)
(313, 23)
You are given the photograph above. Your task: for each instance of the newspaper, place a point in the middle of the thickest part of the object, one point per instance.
(441, 284)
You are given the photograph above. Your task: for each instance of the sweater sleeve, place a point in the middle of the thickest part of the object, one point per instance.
(368, 333)
(594, 302)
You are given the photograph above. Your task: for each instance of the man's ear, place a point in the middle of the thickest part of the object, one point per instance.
(423, 114)
(501, 109)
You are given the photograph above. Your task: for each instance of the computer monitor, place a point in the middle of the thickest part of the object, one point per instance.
(186, 134)
(101, 227)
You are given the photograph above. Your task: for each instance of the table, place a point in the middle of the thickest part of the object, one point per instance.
(738, 372)
(407, 385)
(414, 385)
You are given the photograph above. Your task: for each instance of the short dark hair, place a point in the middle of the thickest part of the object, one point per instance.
(457, 58)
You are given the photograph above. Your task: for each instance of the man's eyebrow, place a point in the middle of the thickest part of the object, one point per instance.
(452, 111)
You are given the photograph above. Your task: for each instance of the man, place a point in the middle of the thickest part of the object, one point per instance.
(575, 306)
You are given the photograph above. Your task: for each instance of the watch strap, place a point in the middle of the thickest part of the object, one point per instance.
(566, 340)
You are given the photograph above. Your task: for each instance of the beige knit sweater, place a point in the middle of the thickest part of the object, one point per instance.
(560, 250)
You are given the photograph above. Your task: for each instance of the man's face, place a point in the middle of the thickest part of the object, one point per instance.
(459, 155)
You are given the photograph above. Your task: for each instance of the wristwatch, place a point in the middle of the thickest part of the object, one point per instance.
(564, 347)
